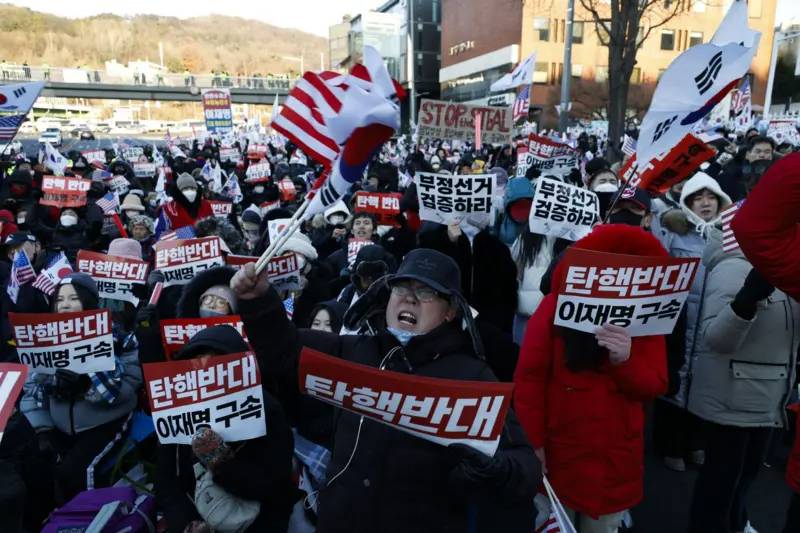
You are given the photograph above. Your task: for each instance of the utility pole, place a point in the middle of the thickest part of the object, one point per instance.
(411, 64)
(566, 75)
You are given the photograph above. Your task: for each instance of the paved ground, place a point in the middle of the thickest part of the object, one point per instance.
(668, 494)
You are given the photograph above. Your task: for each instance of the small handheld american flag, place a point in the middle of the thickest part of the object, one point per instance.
(729, 242)
(57, 268)
(109, 203)
(185, 232)
(21, 273)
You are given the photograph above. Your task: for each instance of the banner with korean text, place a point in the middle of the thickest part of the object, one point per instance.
(181, 259)
(80, 342)
(219, 392)
(230, 154)
(144, 170)
(283, 271)
(217, 110)
(562, 210)
(444, 411)
(452, 120)
(62, 191)
(679, 163)
(221, 208)
(176, 332)
(448, 199)
(384, 206)
(645, 295)
(115, 275)
(549, 157)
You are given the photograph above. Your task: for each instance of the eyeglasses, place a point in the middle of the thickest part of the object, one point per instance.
(423, 294)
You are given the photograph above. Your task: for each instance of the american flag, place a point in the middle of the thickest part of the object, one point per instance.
(522, 104)
(629, 146)
(109, 203)
(186, 232)
(21, 273)
(729, 242)
(57, 268)
(288, 304)
(9, 125)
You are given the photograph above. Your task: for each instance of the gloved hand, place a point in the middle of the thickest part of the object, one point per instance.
(147, 316)
(754, 289)
(197, 526)
(210, 448)
(70, 385)
(154, 277)
(480, 468)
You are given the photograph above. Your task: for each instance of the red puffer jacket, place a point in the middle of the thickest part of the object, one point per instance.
(590, 424)
(179, 216)
(767, 225)
(793, 466)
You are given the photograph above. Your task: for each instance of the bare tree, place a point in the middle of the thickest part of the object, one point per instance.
(623, 26)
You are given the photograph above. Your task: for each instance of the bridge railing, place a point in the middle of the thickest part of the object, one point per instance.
(10, 73)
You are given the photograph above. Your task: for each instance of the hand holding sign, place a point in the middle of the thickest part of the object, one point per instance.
(247, 284)
(616, 340)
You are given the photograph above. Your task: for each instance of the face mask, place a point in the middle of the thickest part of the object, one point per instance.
(190, 194)
(210, 313)
(20, 220)
(402, 335)
(605, 187)
(258, 189)
(68, 220)
(625, 217)
(335, 219)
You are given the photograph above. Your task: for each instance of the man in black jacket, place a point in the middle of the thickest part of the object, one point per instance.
(379, 478)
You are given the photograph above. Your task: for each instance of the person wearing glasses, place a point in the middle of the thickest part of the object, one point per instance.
(379, 478)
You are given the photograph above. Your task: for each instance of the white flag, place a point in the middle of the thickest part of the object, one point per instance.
(54, 160)
(521, 75)
(694, 83)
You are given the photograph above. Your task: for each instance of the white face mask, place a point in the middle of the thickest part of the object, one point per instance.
(190, 194)
(335, 219)
(68, 220)
(258, 189)
(605, 187)
(21, 220)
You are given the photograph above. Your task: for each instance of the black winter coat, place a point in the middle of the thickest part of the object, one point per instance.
(260, 470)
(394, 481)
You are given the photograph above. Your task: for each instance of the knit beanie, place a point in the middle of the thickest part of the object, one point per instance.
(186, 181)
(223, 292)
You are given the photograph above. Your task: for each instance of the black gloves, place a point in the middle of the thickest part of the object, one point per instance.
(754, 289)
(69, 385)
(480, 469)
(147, 316)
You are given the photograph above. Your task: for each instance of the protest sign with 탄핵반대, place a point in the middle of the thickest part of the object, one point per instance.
(444, 411)
(176, 332)
(449, 199)
(63, 191)
(115, 276)
(562, 210)
(384, 206)
(221, 392)
(283, 271)
(550, 157)
(181, 259)
(644, 295)
(81, 342)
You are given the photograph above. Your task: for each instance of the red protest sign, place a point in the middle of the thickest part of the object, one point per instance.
(176, 332)
(681, 161)
(221, 208)
(384, 206)
(288, 190)
(12, 378)
(115, 275)
(63, 191)
(549, 156)
(81, 341)
(180, 259)
(645, 295)
(238, 261)
(222, 392)
(444, 411)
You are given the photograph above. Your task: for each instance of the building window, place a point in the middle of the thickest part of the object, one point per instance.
(577, 71)
(601, 74)
(577, 32)
(667, 40)
(636, 75)
(540, 73)
(695, 38)
(603, 32)
(542, 28)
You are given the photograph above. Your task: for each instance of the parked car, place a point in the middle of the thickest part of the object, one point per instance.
(84, 134)
(52, 136)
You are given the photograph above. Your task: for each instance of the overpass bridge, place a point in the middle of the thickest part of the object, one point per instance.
(98, 84)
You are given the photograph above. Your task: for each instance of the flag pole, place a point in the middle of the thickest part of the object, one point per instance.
(285, 235)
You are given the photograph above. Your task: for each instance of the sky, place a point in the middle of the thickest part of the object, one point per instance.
(313, 16)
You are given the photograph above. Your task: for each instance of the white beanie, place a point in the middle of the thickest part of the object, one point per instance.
(300, 244)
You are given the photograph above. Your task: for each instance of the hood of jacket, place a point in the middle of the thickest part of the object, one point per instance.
(223, 229)
(517, 189)
(189, 302)
(615, 239)
(697, 183)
